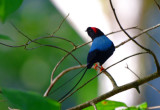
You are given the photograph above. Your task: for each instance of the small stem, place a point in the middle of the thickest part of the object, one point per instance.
(59, 76)
(111, 79)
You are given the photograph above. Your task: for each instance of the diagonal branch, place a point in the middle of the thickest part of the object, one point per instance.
(157, 4)
(117, 90)
(113, 81)
(59, 76)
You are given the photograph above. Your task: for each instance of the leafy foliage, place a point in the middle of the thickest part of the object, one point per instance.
(115, 105)
(142, 106)
(107, 105)
(29, 100)
(7, 7)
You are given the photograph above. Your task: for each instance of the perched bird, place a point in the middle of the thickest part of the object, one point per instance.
(102, 48)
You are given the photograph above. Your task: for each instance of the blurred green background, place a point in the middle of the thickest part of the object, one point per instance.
(30, 70)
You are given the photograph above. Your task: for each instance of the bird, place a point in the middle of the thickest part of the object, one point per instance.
(101, 49)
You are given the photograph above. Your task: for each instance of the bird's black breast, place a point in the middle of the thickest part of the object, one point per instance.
(99, 56)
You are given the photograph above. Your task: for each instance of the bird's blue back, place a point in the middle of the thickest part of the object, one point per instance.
(102, 48)
(101, 43)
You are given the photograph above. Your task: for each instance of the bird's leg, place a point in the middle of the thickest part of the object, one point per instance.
(95, 67)
(101, 69)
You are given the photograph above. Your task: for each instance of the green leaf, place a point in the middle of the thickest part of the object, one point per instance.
(7, 7)
(4, 37)
(29, 100)
(107, 105)
(142, 106)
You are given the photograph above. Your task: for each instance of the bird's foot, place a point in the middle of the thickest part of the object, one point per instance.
(101, 69)
(95, 67)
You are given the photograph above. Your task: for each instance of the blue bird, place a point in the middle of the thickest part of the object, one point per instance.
(102, 48)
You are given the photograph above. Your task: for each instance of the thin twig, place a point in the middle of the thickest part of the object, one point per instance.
(52, 36)
(142, 32)
(57, 66)
(44, 44)
(140, 78)
(95, 108)
(150, 36)
(134, 27)
(11, 45)
(59, 76)
(146, 49)
(125, 59)
(99, 74)
(60, 24)
(20, 32)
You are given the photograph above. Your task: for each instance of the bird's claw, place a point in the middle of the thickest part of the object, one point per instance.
(95, 67)
(101, 69)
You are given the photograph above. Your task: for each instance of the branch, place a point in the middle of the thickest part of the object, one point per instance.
(12, 45)
(95, 108)
(59, 76)
(148, 50)
(57, 66)
(111, 79)
(117, 90)
(113, 82)
(139, 78)
(157, 4)
(150, 36)
(60, 24)
(154, 107)
(52, 36)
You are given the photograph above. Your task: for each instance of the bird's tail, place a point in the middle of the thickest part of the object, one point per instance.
(75, 84)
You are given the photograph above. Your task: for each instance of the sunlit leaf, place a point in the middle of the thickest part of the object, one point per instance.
(142, 106)
(107, 105)
(7, 7)
(29, 100)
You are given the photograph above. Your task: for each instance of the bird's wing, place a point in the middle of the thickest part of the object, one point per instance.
(92, 58)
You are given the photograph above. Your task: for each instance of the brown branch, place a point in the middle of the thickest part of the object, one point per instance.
(154, 107)
(134, 27)
(149, 36)
(52, 36)
(60, 24)
(117, 90)
(99, 74)
(20, 32)
(30, 40)
(11, 45)
(125, 59)
(157, 4)
(111, 78)
(142, 32)
(53, 71)
(59, 76)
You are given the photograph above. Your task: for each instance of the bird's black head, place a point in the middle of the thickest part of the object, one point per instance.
(94, 32)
